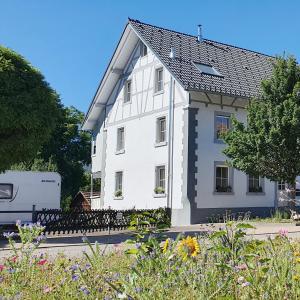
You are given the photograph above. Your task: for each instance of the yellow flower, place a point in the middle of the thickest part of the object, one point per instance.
(296, 277)
(188, 246)
(166, 245)
(296, 253)
(298, 260)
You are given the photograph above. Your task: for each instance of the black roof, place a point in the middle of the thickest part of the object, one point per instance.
(242, 70)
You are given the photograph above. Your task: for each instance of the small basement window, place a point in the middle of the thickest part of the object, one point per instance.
(6, 190)
(208, 69)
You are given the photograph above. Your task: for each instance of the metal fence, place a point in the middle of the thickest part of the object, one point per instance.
(59, 221)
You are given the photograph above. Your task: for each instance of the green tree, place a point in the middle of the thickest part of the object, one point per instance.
(70, 150)
(29, 109)
(269, 144)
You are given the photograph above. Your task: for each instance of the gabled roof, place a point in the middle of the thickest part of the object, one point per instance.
(242, 70)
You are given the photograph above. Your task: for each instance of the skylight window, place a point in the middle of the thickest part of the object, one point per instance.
(207, 69)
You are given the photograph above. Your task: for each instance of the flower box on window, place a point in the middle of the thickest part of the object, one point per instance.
(255, 189)
(223, 189)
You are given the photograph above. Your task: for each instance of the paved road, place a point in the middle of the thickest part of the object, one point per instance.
(73, 246)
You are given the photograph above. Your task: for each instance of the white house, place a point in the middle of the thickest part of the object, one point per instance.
(156, 120)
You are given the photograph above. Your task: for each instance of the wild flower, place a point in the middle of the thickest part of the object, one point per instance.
(9, 235)
(296, 277)
(74, 267)
(188, 247)
(84, 290)
(296, 253)
(42, 262)
(18, 223)
(47, 289)
(166, 245)
(85, 239)
(240, 267)
(75, 277)
(2, 267)
(244, 284)
(283, 232)
(241, 279)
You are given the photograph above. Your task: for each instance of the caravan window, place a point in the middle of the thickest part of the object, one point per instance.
(6, 190)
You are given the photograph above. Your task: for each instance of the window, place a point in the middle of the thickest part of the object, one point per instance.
(160, 180)
(6, 190)
(281, 186)
(94, 146)
(159, 80)
(208, 69)
(143, 49)
(223, 178)
(254, 184)
(222, 125)
(127, 91)
(120, 139)
(119, 184)
(161, 130)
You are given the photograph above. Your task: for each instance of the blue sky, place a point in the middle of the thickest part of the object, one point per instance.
(71, 41)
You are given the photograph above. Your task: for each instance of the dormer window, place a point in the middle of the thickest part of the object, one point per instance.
(208, 70)
(143, 49)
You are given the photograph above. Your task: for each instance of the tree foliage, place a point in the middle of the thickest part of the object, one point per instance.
(29, 109)
(70, 150)
(269, 144)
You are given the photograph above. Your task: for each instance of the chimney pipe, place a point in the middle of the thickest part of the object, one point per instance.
(200, 38)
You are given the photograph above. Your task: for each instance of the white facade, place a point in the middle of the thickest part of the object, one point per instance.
(127, 99)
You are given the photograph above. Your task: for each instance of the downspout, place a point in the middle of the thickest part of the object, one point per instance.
(170, 138)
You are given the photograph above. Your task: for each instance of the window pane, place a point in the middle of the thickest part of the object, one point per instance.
(127, 93)
(161, 130)
(120, 139)
(159, 80)
(222, 125)
(6, 191)
(119, 179)
(160, 176)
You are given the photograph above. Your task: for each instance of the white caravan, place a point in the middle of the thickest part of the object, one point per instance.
(23, 191)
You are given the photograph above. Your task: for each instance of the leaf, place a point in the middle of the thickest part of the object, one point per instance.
(244, 226)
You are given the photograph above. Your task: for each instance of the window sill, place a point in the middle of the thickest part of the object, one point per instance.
(120, 152)
(255, 193)
(118, 198)
(159, 195)
(223, 193)
(219, 141)
(127, 102)
(161, 144)
(158, 93)
(93, 155)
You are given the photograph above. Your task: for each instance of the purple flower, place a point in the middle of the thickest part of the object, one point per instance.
(18, 223)
(75, 277)
(84, 290)
(11, 270)
(9, 234)
(245, 284)
(74, 267)
(85, 239)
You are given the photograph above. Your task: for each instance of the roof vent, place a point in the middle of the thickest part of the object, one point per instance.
(199, 37)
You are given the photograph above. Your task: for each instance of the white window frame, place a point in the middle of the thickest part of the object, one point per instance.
(119, 183)
(230, 177)
(94, 146)
(159, 83)
(160, 182)
(143, 52)
(127, 92)
(11, 187)
(120, 148)
(159, 132)
(226, 115)
(281, 185)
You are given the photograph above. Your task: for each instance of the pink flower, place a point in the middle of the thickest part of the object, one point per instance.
(2, 267)
(47, 289)
(241, 267)
(245, 284)
(283, 232)
(14, 259)
(42, 262)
